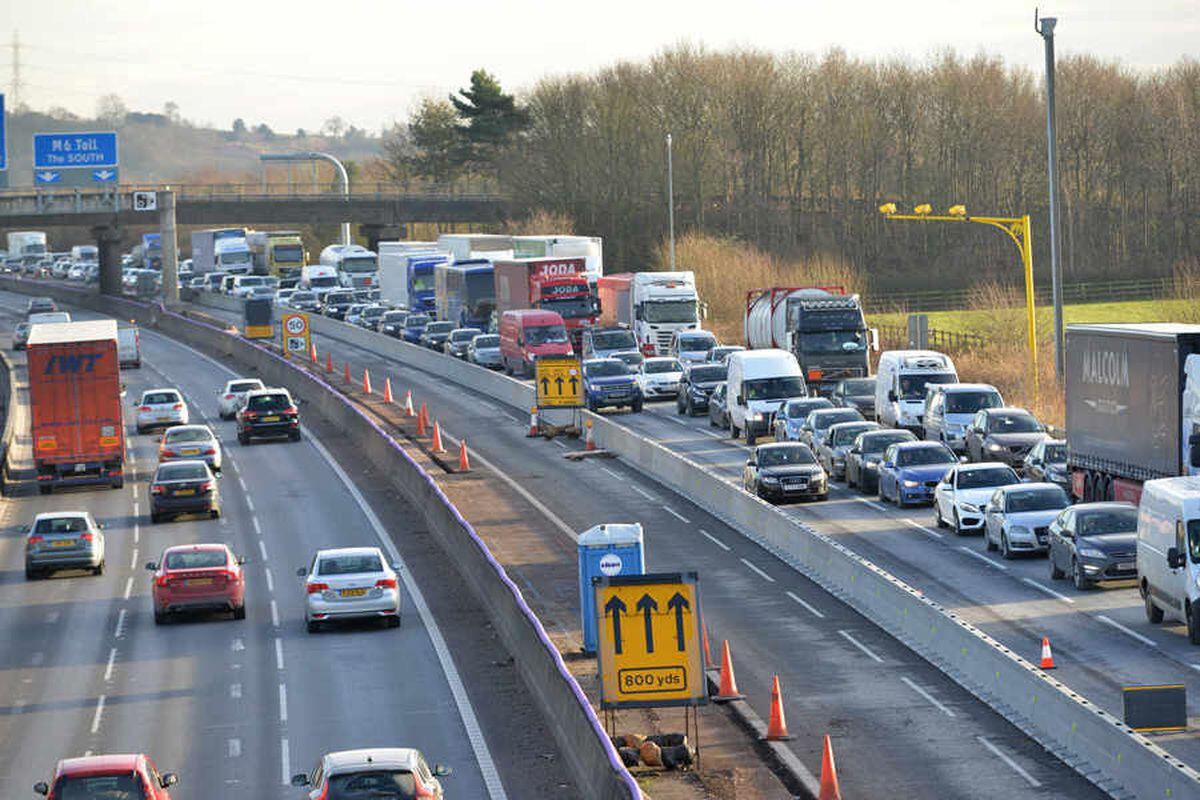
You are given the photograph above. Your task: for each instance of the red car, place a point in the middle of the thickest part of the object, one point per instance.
(198, 577)
(123, 777)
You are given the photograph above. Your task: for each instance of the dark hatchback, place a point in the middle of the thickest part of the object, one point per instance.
(1092, 542)
(856, 393)
(183, 487)
(785, 471)
(697, 385)
(436, 334)
(268, 413)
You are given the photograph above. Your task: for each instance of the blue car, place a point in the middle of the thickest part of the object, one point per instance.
(414, 327)
(608, 382)
(911, 470)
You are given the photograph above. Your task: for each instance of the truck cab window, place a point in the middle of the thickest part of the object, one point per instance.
(1193, 535)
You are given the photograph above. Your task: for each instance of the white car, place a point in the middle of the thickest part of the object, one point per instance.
(659, 378)
(1017, 518)
(191, 442)
(350, 583)
(234, 395)
(692, 345)
(160, 408)
(960, 496)
(283, 296)
(374, 772)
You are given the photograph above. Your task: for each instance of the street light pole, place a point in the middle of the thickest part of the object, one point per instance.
(312, 156)
(671, 200)
(1045, 27)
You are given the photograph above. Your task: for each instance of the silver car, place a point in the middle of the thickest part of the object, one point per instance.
(1017, 519)
(350, 583)
(484, 350)
(234, 395)
(160, 408)
(63, 540)
(191, 442)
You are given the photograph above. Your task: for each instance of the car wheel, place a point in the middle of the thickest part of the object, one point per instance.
(45, 489)
(155, 518)
(1154, 614)
(1078, 578)
(312, 626)
(32, 574)
(98, 569)
(850, 482)
(243, 438)
(214, 513)
(240, 612)
(751, 438)
(734, 433)
(637, 407)
(1055, 572)
(294, 436)
(821, 497)
(1005, 553)
(393, 622)
(679, 408)
(937, 515)
(160, 618)
(958, 531)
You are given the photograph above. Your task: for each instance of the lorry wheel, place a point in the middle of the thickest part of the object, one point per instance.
(1154, 614)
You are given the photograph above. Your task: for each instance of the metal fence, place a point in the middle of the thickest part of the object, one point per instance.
(957, 299)
(893, 337)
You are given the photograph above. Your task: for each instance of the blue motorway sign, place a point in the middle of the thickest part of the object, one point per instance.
(57, 150)
(47, 176)
(3, 136)
(104, 175)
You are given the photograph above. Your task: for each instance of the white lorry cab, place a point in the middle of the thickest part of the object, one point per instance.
(903, 377)
(319, 278)
(1168, 551)
(759, 383)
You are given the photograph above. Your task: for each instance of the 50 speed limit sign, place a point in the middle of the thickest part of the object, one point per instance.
(297, 338)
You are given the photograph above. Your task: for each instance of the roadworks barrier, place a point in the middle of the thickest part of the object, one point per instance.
(593, 761)
(1095, 743)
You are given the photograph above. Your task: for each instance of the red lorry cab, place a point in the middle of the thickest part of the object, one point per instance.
(550, 284)
(75, 404)
(526, 334)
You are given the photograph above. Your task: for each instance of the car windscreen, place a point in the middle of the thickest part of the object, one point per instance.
(1020, 500)
(126, 786)
(373, 312)
(175, 435)
(924, 456)
(1106, 521)
(605, 369)
(463, 336)
(696, 341)
(181, 472)
(613, 340)
(417, 320)
(1055, 453)
(970, 402)
(61, 525)
(823, 420)
(545, 334)
(394, 316)
(708, 374)
(912, 387)
(632, 360)
(859, 387)
(882, 441)
(1013, 423)
(847, 435)
(251, 281)
(349, 564)
(774, 388)
(656, 367)
(486, 341)
(376, 783)
(159, 398)
(268, 402)
(983, 478)
(780, 456)
(802, 408)
(439, 327)
(302, 297)
(237, 387)
(323, 280)
(196, 559)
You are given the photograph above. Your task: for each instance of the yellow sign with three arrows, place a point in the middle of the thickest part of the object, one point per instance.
(650, 651)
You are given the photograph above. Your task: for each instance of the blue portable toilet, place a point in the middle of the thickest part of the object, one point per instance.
(605, 550)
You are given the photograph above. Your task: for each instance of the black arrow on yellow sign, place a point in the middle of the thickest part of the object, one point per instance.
(647, 605)
(616, 606)
(678, 603)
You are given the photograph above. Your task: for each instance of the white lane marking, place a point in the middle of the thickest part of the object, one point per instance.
(559, 443)
(760, 573)
(241, 483)
(983, 558)
(250, 504)
(677, 515)
(713, 434)
(257, 527)
(643, 492)
(262, 548)
(108, 668)
(120, 629)
(870, 653)
(237, 644)
(483, 756)
(1017, 768)
(135, 488)
(1048, 590)
(283, 702)
(278, 654)
(613, 474)
(274, 614)
(133, 559)
(715, 540)
(137, 509)
(235, 691)
(1127, 631)
(234, 748)
(923, 529)
(99, 712)
(933, 700)
(270, 580)
(286, 758)
(53, 616)
(137, 531)
(128, 587)
(873, 504)
(807, 606)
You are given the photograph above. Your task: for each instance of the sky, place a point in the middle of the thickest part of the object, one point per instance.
(295, 64)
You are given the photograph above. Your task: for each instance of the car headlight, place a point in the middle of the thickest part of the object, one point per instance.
(870, 465)
(1056, 473)
(769, 479)
(911, 484)
(970, 508)
(1020, 532)
(995, 448)
(754, 416)
(1091, 552)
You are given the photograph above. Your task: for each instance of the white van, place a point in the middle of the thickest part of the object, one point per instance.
(129, 347)
(1168, 551)
(900, 386)
(950, 407)
(760, 382)
(318, 279)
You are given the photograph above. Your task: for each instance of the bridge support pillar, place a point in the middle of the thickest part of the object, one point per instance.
(170, 248)
(374, 234)
(108, 242)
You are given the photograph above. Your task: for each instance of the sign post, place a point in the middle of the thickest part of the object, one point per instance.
(297, 336)
(3, 145)
(559, 384)
(87, 158)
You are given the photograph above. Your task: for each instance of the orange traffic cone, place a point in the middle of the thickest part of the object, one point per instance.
(366, 382)
(312, 352)
(588, 442)
(347, 378)
(829, 780)
(708, 662)
(464, 463)
(777, 726)
(533, 423)
(437, 438)
(1047, 657)
(728, 689)
(421, 421)
(387, 390)
(329, 362)
(408, 406)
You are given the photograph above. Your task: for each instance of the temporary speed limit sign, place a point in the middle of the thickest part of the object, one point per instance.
(297, 337)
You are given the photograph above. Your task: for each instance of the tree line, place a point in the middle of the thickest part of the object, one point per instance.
(795, 153)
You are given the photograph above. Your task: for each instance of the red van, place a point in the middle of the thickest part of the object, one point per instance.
(528, 333)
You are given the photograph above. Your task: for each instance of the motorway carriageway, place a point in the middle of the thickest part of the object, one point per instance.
(900, 726)
(236, 708)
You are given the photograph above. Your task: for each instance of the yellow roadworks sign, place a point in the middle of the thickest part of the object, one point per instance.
(296, 334)
(559, 381)
(650, 651)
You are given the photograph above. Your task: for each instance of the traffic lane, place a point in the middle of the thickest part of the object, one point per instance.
(340, 688)
(771, 630)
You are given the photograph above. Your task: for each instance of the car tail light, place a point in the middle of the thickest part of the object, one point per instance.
(207, 486)
(161, 580)
(166, 452)
(249, 414)
(87, 536)
(210, 452)
(231, 576)
(177, 406)
(156, 489)
(228, 397)
(35, 539)
(291, 410)
(317, 588)
(386, 583)
(144, 408)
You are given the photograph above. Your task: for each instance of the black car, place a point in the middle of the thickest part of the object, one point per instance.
(696, 385)
(392, 323)
(436, 334)
(183, 487)
(784, 471)
(1047, 461)
(336, 304)
(1092, 542)
(304, 301)
(40, 305)
(718, 408)
(856, 393)
(268, 412)
(862, 462)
